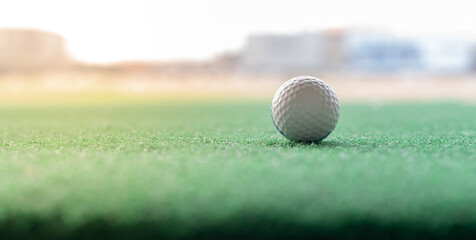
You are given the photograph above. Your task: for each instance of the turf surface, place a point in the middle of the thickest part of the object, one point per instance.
(210, 170)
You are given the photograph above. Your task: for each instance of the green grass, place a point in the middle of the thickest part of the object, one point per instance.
(210, 170)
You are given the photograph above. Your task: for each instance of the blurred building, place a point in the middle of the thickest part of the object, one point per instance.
(447, 55)
(284, 53)
(376, 52)
(357, 51)
(379, 52)
(25, 50)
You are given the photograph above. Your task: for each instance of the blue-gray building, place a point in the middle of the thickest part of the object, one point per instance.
(357, 51)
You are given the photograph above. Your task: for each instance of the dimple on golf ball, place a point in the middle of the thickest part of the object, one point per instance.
(305, 109)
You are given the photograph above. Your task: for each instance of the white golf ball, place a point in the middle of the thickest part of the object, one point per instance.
(305, 109)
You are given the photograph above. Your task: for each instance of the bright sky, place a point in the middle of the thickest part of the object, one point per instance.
(106, 31)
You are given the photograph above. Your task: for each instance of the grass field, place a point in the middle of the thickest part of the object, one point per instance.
(221, 170)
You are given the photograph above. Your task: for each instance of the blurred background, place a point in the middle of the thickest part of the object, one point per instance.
(107, 51)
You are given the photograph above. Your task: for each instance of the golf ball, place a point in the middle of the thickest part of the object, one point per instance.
(305, 109)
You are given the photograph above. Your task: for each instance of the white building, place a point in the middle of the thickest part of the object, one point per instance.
(284, 53)
(447, 55)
